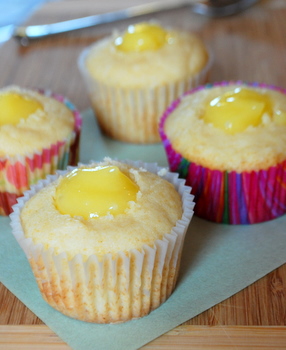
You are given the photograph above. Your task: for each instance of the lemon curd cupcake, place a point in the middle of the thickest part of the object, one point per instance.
(229, 141)
(104, 240)
(133, 76)
(39, 133)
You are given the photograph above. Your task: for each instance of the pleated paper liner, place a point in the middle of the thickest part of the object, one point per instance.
(19, 172)
(113, 288)
(237, 198)
(132, 114)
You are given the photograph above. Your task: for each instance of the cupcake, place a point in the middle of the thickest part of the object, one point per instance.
(39, 133)
(133, 76)
(104, 240)
(228, 140)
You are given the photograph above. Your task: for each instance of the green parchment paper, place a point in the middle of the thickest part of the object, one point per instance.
(218, 261)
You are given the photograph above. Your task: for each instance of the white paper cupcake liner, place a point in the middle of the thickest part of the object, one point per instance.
(112, 289)
(132, 115)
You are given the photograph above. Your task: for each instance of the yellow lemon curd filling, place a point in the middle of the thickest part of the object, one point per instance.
(95, 192)
(14, 107)
(236, 110)
(142, 37)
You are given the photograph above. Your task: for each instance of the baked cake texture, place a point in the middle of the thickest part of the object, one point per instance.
(130, 86)
(110, 267)
(235, 168)
(39, 133)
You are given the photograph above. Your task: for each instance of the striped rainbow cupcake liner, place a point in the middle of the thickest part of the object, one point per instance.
(18, 173)
(227, 196)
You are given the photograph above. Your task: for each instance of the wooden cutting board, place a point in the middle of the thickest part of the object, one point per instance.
(183, 337)
(250, 46)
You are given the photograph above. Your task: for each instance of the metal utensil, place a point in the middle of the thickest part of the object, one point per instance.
(211, 8)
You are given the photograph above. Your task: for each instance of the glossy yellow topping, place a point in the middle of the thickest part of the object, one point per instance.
(142, 37)
(94, 192)
(234, 111)
(279, 117)
(14, 107)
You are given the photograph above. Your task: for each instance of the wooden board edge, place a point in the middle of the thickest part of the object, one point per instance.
(32, 337)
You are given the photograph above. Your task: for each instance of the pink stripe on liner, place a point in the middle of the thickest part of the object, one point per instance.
(234, 202)
(217, 187)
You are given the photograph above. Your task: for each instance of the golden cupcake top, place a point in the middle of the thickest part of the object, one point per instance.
(147, 207)
(30, 121)
(235, 127)
(146, 54)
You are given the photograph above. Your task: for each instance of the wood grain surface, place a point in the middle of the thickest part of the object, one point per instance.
(249, 46)
(181, 338)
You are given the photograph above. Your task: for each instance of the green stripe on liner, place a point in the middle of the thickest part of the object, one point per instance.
(183, 168)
